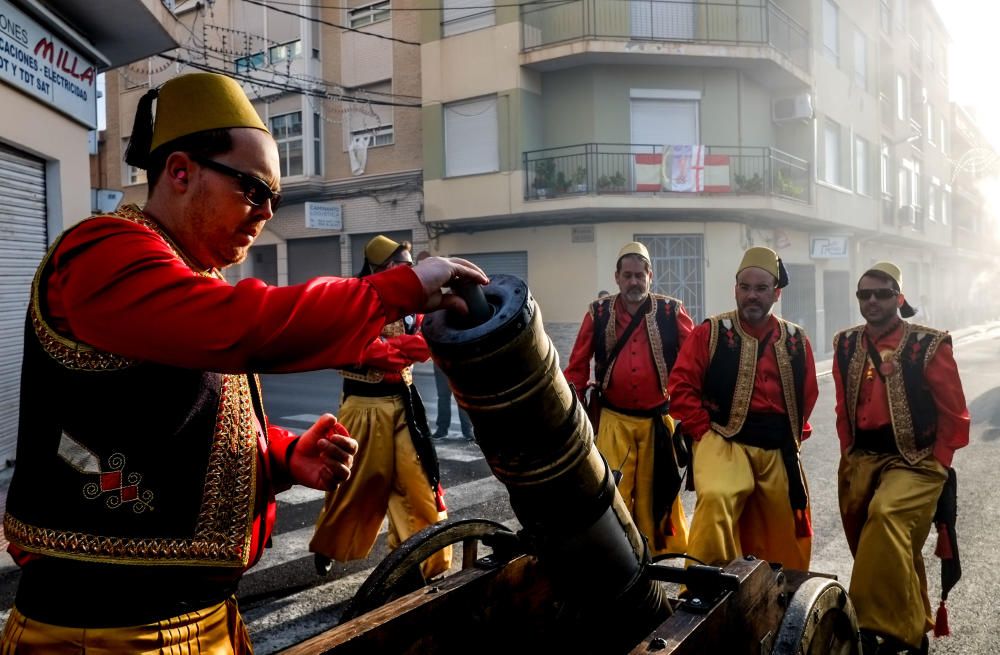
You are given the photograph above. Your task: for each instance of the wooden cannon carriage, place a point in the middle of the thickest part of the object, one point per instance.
(577, 578)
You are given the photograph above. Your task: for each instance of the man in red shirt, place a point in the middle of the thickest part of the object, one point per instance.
(396, 468)
(901, 415)
(743, 388)
(633, 337)
(146, 469)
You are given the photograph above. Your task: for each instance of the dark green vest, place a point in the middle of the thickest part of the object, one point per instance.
(911, 404)
(729, 379)
(124, 461)
(661, 326)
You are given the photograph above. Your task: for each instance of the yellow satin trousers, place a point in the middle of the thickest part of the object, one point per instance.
(887, 506)
(387, 478)
(742, 506)
(627, 444)
(216, 630)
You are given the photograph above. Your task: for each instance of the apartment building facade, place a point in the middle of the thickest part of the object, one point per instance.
(553, 133)
(339, 89)
(51, 52)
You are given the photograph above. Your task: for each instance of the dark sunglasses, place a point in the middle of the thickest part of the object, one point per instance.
(881, 294)
(255, 190)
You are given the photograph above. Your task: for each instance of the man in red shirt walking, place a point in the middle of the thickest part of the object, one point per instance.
(901, 415)
(743, 388)
(633, 337)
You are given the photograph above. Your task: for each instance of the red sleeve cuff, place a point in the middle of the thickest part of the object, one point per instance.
(281, 445)
(400, 291)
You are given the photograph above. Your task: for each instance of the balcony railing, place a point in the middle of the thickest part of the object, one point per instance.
(630, 168)
(666, 20)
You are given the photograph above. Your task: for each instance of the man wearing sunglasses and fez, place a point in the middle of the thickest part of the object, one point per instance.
(396, 466)
(743, 387)
(633, 337)
(146, 468)
(901, 415)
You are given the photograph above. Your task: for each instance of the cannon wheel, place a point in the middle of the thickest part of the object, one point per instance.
(399, 573)
(820, 620)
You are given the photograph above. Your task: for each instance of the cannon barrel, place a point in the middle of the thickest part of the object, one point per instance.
(536, 438)
(585, 584)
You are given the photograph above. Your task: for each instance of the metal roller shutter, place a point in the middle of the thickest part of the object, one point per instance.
(23, 239)
(496, 263)
(309, 258)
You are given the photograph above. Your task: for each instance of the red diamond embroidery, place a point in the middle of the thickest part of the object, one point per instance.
(130, 492)
(111, 481)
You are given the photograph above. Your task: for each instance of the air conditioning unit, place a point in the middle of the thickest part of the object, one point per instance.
(906, 214)
(792, 108)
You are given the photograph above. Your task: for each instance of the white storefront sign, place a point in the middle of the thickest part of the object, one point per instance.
(35, 61)
(324, 216)
(829, 247)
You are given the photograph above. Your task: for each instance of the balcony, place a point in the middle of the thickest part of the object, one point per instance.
(686, 23)
(639, 169)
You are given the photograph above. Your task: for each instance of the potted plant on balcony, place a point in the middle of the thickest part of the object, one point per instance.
(545, 177)
(788, 187)
(746, 184)
(580, 180)
(611, 184)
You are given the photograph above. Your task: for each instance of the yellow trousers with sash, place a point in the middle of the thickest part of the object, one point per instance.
(887, 506)
(216, 630)
(387, 477)
(627, 444)
(742, 506)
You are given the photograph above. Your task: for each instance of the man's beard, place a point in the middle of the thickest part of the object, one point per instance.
(636, 295)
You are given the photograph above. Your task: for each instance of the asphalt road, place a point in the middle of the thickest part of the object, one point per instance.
(973, 603)
(285, 602)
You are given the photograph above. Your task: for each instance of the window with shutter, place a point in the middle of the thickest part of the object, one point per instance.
(471, 139)
(466, 15)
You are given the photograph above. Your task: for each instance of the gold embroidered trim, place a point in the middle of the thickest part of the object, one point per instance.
(743, 389)
(855, 370)
(225, 522)
(70, 354)
(610, 337)
(745, 376)
(374, 375)
(899, 405)
(660, 303)
(370, 375)
(226, 514)
(786, 375)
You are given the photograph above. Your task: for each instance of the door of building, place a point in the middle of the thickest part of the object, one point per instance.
(839, 307)
(23, 224)
(312, 257)
(798, 299)
(264, 263)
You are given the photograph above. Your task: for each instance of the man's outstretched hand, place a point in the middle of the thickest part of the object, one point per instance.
(324, 454)
(438, 272)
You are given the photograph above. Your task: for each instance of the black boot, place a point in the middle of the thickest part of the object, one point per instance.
(323, 564)
(869, 643)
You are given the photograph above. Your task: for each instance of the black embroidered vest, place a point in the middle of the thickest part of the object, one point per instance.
(729, 379)
(661, 326)
(121, 460)
(911, 405)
